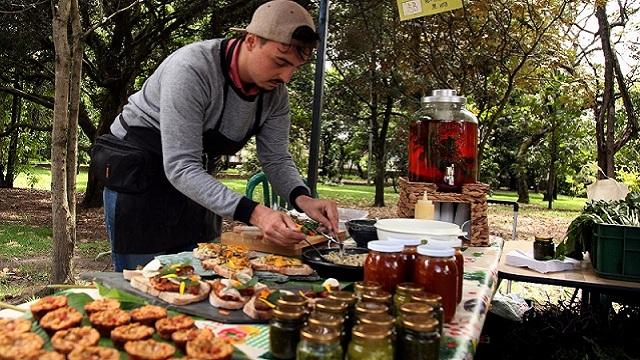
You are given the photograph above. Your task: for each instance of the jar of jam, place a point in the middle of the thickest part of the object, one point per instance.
(363, 286)
(284, 331)
(433, 300)
(365, 307)
(319, 343)
(420, 338)
(404, 292)
(409, 253)
(543, 248)
(457, 245)
(436, 270)
(385, 264)
(370, 342)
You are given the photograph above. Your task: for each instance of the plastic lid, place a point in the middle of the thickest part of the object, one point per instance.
(385, 246)
(435, 252)
(443, 244)
(425, 199)
(444, 95)
(406, 242)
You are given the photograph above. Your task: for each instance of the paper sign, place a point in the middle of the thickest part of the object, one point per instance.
(411, 9)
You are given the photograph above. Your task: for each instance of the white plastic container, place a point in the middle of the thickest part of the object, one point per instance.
(388, 229)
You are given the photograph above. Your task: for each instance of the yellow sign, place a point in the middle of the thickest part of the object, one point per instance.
(411, 9)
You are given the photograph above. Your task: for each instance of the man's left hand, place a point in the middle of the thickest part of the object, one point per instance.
(321, 210)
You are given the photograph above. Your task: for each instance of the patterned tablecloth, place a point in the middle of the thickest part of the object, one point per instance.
(460, 337)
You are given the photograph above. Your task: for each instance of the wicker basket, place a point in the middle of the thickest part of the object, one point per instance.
(473, 194)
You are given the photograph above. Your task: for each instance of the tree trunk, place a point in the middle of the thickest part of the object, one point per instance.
(523, 188)
(553, 159)
(12, 154)
(64, 136)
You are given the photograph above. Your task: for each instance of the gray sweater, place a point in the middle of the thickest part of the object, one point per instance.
(184, 98)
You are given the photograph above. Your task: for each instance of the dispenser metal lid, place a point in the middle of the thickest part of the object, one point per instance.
(444, 96)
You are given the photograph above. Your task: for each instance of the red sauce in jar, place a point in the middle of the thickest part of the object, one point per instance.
(437, 272)
(456, 244)
(410, 254)
(385, 264)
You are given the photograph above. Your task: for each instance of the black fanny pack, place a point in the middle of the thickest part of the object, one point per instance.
(124, 166)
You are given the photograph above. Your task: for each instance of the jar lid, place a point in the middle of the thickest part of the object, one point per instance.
(420, 323)
(288, 312)
(319, 334)
(332, 306)
(368, 307)
(343, 296)
(379, 296)
(292, 299)
(432, 299)
(382, 319)
(408, 288)
(545, 238)
(406, 242)
(367, 285)
(385, 246)
(325, 319)
(434, 252)
(444, 95)
(416, 308)
(444, 244)
(371, 332)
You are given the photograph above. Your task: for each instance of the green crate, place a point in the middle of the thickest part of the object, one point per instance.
(615, 252)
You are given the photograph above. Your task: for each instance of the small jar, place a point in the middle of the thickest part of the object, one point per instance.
(363, 286)
(378, 296)
(457, 245)
(350, 299)
(332, 321)
(338, 308)
(319, 343)
(385, 264)
(543, 248)
(284, 331)
(365, 307)
(436, 270)
(420, 338)
(404, 292)
(414, 308)
(370, 342)
(433, 300)
(293, 300)
(384, 320)
(409, 254)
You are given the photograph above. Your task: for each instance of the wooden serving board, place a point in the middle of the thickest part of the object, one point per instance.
(251, 238)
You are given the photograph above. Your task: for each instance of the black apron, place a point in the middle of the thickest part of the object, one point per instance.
(162, 219)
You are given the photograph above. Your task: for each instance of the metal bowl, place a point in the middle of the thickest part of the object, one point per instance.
(328, 269)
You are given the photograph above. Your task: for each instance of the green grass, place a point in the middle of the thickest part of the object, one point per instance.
(40, 179)
(23, 241)
(563, 203)
(91, 249)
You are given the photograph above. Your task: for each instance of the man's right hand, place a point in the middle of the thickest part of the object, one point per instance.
(276, 226)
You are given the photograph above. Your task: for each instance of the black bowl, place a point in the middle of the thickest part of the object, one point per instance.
(362, 231)
(328, 269)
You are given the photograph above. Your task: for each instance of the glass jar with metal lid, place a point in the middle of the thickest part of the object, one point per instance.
(333, 321)
(420, 338)
(284, 330)
(363, 286)
(292, 299)
(433, 300)
(543, 248)
(384, 320)
(370, 342)
(366, 307)
(379, 296)
(319, 343)
(331, 306)
(413, 308)
(404, 292)
(443, 142)
(350, 299)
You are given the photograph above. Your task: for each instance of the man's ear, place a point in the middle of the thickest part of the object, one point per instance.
(251, 40)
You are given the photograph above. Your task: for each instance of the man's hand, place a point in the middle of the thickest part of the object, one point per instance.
(276, 226)
(323, 211)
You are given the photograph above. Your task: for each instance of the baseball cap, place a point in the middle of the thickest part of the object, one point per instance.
(284, 21)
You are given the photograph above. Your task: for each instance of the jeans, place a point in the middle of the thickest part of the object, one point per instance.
(123, 261)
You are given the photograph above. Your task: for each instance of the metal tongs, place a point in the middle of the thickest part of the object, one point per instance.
(333, 239)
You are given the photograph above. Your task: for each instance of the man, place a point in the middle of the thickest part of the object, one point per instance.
(205, 100)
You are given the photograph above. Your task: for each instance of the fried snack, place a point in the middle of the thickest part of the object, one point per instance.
(101, 305)
(105, 321)
(181, 337)
(148, 314)
(65, 341)
(60, 319)
(94, 353)
(209, 349)
(44, 355)
(14, 326)
(149, 350)
(130, 332)
(18, 346)
(167, 326)
(46, 304)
